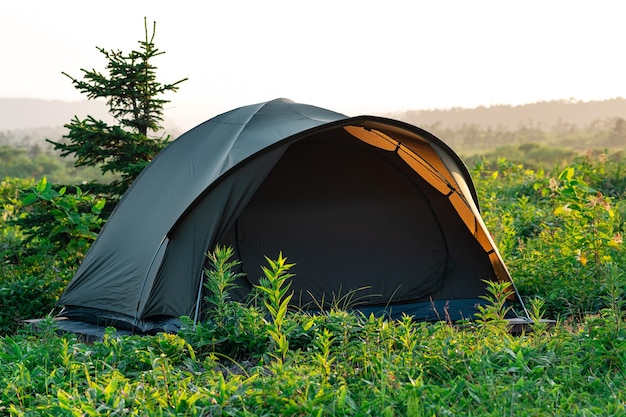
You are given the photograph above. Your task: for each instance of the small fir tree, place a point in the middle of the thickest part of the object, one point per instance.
(134, 99)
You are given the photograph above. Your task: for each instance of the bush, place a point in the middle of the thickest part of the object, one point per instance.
(30, 291)
(559, 232)
(44, 233)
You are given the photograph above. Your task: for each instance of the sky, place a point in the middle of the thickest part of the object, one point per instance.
(354, 57)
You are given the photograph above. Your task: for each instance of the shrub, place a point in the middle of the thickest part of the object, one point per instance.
(64, 223)
(30, 291)
(559, 232)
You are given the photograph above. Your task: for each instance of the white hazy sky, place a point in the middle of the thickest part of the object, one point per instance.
(354, 57)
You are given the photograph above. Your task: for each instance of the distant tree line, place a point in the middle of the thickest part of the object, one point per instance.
(35, 162)
(472, 138)
(533, 145)
(528, 144)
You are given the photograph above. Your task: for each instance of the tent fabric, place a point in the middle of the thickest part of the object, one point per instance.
(363, 205)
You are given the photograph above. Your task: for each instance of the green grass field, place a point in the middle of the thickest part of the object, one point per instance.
(560, 232)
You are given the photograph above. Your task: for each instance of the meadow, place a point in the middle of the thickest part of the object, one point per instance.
(560, 231)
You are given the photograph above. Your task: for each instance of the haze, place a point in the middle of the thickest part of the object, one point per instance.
(350, 56)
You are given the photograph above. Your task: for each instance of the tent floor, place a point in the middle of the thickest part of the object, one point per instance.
(86, 332)
(516, 325)
(90, 333)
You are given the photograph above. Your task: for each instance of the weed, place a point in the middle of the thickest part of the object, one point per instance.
(274, 291)
(220, 281)
(493, 315)
(228, 329)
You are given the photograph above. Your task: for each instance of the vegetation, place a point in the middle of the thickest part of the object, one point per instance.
(36, 162)
(133, 96)
(549, 117)
(63, 220)
(538, 146)
(534, 146)
(560, 231)
(335, 364)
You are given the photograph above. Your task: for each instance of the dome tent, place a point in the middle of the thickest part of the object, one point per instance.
(364, 203)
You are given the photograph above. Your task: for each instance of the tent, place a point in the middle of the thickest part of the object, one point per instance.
(364, 206)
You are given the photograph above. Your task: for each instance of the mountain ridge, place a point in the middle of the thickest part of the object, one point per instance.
(32, 113)
(542, 114)
(28, 113)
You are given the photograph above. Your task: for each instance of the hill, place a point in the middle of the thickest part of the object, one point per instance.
(541, 115)
(21, 113)
(16, 113)
(26, 122)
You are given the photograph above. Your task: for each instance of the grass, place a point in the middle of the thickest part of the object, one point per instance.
(351, 365)
(332, 364)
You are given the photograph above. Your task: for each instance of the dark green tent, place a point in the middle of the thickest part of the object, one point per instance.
(367, 205)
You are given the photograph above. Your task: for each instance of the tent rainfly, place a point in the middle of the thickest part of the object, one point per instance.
(367, 206)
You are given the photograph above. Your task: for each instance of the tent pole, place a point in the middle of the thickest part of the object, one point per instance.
(197, 313)
(519, 297)
(145, 280)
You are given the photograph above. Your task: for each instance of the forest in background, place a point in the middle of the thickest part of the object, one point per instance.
(546, 133)
(542, 134)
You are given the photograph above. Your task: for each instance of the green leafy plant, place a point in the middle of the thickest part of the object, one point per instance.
(75, 220)
(274, 291)
(381, 368)
(220, 281)
(28, 296)
(537, 313)
(11, 236)
(555, 231)
(227, 328)
(493, 315)
(323, 343)
(615, 301)
(589, 218)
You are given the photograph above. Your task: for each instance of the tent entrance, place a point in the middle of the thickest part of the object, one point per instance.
(355, 220)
